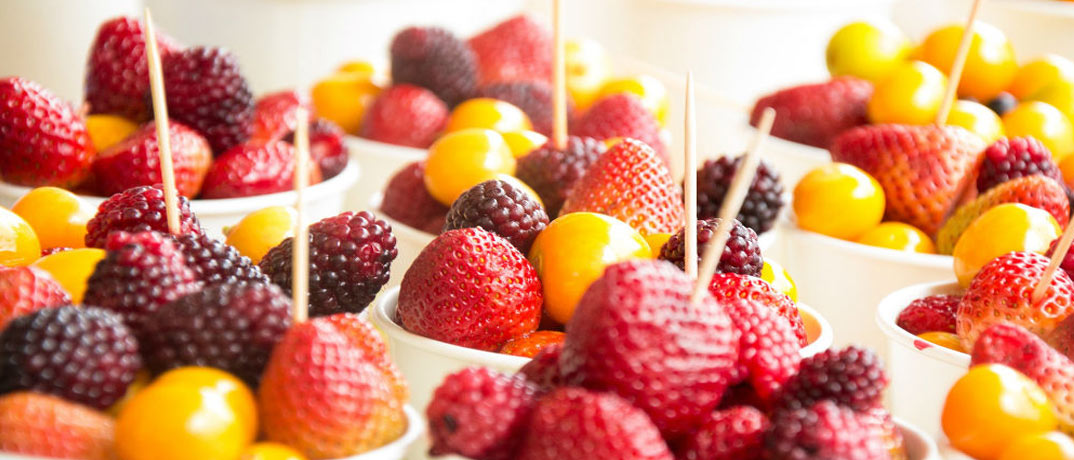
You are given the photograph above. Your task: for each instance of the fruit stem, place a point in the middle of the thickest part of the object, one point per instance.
(690, 145)
(300, 247)
(1057, 258)
(160, 115)
(958, 65)
(559, 80)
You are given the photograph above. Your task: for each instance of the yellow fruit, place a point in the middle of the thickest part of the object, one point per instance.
(1052, 445)
(1044, 122)
(72, 269)
(270, 451)
(487, 113)
(524, 142)
(1060, 95)
(653, 94)
(463, 159)
(1040, 73)
(18, 242)
(869, 50)
(838, 200)
(898, 236)
(262, 230)
(1004, 228)
(990, 64)
(910, 94)
(179, 422)
(943, 339)
(1067, 168)
(977, 119)
(141, 380)
(588, 68)
(57, 216)
(343, 97)
(656, 241)
(358, 67)
(107, 130)
(778, 277)
(236, 394)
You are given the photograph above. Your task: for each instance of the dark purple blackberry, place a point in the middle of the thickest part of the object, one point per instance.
(350, 260)
(206, 90)
(551, 172)
(138, 209)
(853, 377)
(763, 201)
(1016, 157)
(1003, 102)
(215, 261)
(500, 208)
(533, 97)
(228, 326)
(435, 59)
(83, 354)
(741, 255)
(823, 431)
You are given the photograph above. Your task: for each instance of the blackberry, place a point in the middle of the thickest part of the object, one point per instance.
(551, 172)
(434, 58)
(821, 432)
(350, 260)
(407, 201)
(138, 209)
(1003, 102)
(83, 354)
(533, 97)
(214, 261)
(1016, 157)
(763, 202)
(853, 377)
(741, 255)
(500, 208)
(206, 90)
(228, 326)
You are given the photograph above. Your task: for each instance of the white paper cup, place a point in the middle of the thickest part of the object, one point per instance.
(379, 162)
(792, 159)
(919, 445)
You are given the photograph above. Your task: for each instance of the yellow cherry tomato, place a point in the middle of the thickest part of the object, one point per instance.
(910, 94)
(141, 380)
(867, 49)
(270, 451)
(488, 113)
(1066, 166)
(588, 68)
(236, 394)
(990, 64)
(18, 242)
(179, 422)
(838, 200)
(524, 142)
(1059, 94)
(656, 242)
(778, 277)
(107, 130)
(653, 93)
(57, 216)
(72, 269)
(463, 159)
(977, 119)
(1004, 228)
(1044, 122)
(262, 230)
(943, 339)
(991, 406)
(343, 97)
(358, 67)
(1052, 445)
(898, 236)
(1039, 73)
(573, 251)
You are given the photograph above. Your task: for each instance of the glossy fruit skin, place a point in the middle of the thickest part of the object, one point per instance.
(408, 202)
(499, 207)
(532, 344)
(768, 347)
(1035, 191)
(1044, 122)
(777, 276)
(522, 143)
(256, 168)
(990, 65)
(1002, 229)
(481, 414)
(517, 49)
(24, 290)
(935, 313)
(343, 98)
(532, 97)
(138, 209)
(1052, 445)
(21, 244)
(135, 161)
(944, 339)
(44, 140)
(977, 119)
(898, 236)
(108, 130)
(552, 173)
(622, 115)
(1039, 73)
(910, 94)
(991, 406)
(728, 287)
(405, 115)
(838, 200)
(574, 250)
(434, 58)
(206, 91)
(869, 50)
(653, 93)
(117, 73)
(1059, 94)
(261, 230)
(462, 159)
(852, 377)
(42, 425)
(57, 216)
(275, 114)
(237, 396)
(71, 269)
(270, 451)
(487, 113)
(814, 114)
(741, 254)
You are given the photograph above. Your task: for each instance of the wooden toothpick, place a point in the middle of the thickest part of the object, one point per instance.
(160, 114)
(559, 80)
(690, 143)
(732, 202)
(959, 64)
(300, 264)
(1053, 264)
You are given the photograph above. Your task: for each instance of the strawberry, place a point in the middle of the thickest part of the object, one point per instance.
(543, 369)
(768, 348)
(206, 90)
(577, 424)
(405, 115)
(852, 377)
(135, 161)
(485, 294)
(636, 333)
(928, 314)
(480, 414)
(1001, 292)
(1015, 346)
(552, 172)
(816, 113)
(822, 432)
(729, 434)
(1062, 337)
(726, 287)
(622, 115)
(47, 426)
(254, 169)
(275, 115)
(531, 344)
(924, 170)
(1034, 191)
(629, 183)
(434, 58)
(43, 141)
(117, 75)
(326, 147)
(25, 290)
(518, 49)
(407, 201)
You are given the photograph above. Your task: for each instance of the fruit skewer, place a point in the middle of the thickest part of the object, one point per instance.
(300, 254)
(1058, 255)
(959, 64)
(160, 114)
(690, 179)
(559, 79)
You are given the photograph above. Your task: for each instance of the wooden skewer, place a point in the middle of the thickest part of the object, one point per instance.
(160, 114)
(1053, 264)
(959, 64)
(559, 80)
(690, 141)
(300, 248)
(732, 202)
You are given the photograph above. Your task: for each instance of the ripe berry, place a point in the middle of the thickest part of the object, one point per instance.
(729, 434)
(763, 201)
(117, 73)
(135, 161)
(622, 115)
(815, 114)
(1003, 102)
(43, 140)
(326, 147)
(254, 168)
(407, 201)
(531, 344)
(552, 172)
(1008, 159)
(215, 261)
(853, 377)
(741, 255)
(480, 414)
(543, 369)
(28, 289)
(206, 90)
(768, 348)
(435, 59)
(501, 208)
(533, 97)
(139, 209)
(928, 314)
(726, 287)
(50, 427)
(823, 431)
(424, 112)
(518, 49)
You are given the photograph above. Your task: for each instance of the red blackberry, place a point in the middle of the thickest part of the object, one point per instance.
(1003, 102)
(551, 172)
(207, 91)
(543, 369)
(741, 255)
(821, 432)
(326, 147)
(350, 258)
(228, 326)
(932, 313)
(500, 208)
(730, 434)
(480, 414)
(1012, 158)
(117, 75)
(83, 354)
(533, 97)
(139, 209)
(763, 202)
(853, 377)
(408, 202)
(434, 58)
(215, 262)
(141, 273)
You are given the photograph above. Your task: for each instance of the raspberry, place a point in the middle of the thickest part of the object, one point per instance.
(1008, 159)
(543, 369)
(551, 172)
(228, 326)
(822, 432)
(815, 114)
(139, 209)
(1003, 102)
(852, 377)
(533, 97)
(424, 113)
(480, 414)
(83, 354)
(622, 115)
(763, 201)
(500, 208)
(435, 59)
(726, 287)
(729, 434)
(408, 202)
(741, 255)
(768, 348)
(206, 90)
(350, 257)
(927, 314)
(28, 289)
(214, 261)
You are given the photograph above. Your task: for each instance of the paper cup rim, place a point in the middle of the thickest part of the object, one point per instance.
(892, 304)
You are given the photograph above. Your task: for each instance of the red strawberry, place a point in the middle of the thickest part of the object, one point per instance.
(552, 173)
(927, 314)
(326, 147)
(206, 90)
(480, 414)
(816, 113)
(405, 115)
(135, 161)
(543, 369)
(768, 348)
(518, 49)
(636, 333)
(824, 431)
(1062, 337)
(43, 141)
(117, 75)
(729, 434)
(1015, 346)
(47, 426)
(852, 377)
(407, 201)
(434, 58)
(275, 115)
(1001, 292)
(484, 291)
(576, 424)
(622, 115)
(25, 290)
(254, 169)
(531, 344)
(629, 183)
(726, 287)
(924, 170)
